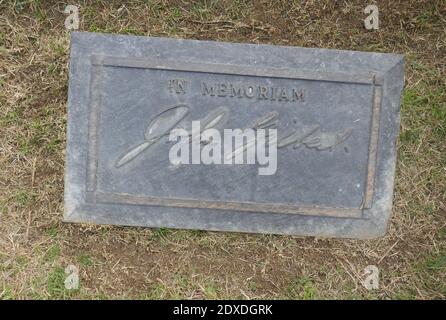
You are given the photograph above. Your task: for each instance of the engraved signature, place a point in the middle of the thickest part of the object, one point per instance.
(311, 136)
(159, 127)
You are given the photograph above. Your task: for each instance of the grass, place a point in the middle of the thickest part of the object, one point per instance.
(53, 253)
(121, 262)
(55, 285)
(302, 288)
(84, 260)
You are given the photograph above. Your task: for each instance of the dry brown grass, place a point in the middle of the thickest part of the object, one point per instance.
(118, 262)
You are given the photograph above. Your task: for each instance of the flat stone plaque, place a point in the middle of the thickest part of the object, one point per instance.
(336, 115)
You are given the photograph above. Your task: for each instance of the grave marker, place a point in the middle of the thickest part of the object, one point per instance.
(331, 116)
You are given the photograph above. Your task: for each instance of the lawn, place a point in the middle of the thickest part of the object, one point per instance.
(124, 262)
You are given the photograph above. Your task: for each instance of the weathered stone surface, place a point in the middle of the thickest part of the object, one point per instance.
(337, 118)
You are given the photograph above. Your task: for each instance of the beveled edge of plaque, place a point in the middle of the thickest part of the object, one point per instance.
(372, 224)
(231, 69)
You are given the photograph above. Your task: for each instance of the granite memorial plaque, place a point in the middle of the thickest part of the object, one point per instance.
(231, 137)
